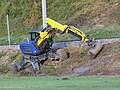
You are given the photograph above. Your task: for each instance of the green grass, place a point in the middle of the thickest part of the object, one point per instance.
(94, 32)
(51, 70)
(3, 69)
(26, 15)
(56, 83)
(103, 32)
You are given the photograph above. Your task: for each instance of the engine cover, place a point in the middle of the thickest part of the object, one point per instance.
(29, 48)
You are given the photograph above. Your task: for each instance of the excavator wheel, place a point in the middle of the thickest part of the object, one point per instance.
(27, 71)
(93, 52)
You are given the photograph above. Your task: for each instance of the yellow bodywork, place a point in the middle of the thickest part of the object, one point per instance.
(66, 29)
(56, 25)
(63, 28)
(43, 36)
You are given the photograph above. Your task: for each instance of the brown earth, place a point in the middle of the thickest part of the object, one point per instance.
(102, 16)
(78, 63)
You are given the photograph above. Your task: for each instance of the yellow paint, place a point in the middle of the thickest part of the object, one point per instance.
(56, 25)
(63, 28)
(43, 37)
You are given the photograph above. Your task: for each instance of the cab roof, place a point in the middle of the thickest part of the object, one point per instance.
(35, 31)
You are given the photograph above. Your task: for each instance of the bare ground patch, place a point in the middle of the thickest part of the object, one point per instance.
(78, 63)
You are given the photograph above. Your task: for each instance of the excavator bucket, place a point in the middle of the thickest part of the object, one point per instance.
(93, 52)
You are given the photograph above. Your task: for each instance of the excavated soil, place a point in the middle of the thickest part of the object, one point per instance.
(78, 63)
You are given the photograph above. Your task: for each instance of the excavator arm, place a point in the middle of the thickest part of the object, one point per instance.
(96, 47)
(67, 29)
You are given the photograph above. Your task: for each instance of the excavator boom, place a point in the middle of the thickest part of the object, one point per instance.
(67, 29)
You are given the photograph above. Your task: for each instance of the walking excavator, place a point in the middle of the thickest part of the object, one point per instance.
(38, 48)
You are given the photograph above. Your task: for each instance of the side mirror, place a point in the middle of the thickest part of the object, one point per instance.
(28, 39)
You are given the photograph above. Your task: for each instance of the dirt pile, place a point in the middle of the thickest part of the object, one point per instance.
(78, 63)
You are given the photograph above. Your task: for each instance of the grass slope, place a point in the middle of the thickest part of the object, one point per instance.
(57, 83)
(25, 15)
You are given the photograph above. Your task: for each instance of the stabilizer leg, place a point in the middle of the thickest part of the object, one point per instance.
(32, 60)
(35, 64)
(22, 63)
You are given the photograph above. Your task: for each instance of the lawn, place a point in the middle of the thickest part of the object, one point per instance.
(57, 83)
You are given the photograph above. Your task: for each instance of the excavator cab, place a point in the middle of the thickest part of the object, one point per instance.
(29, 47)
(34, 34)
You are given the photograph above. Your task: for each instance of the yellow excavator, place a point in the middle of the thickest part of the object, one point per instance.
(38, 48)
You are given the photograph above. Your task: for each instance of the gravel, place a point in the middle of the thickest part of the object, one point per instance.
(66, 44)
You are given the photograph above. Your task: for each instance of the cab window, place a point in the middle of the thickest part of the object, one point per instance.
(34, 36)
